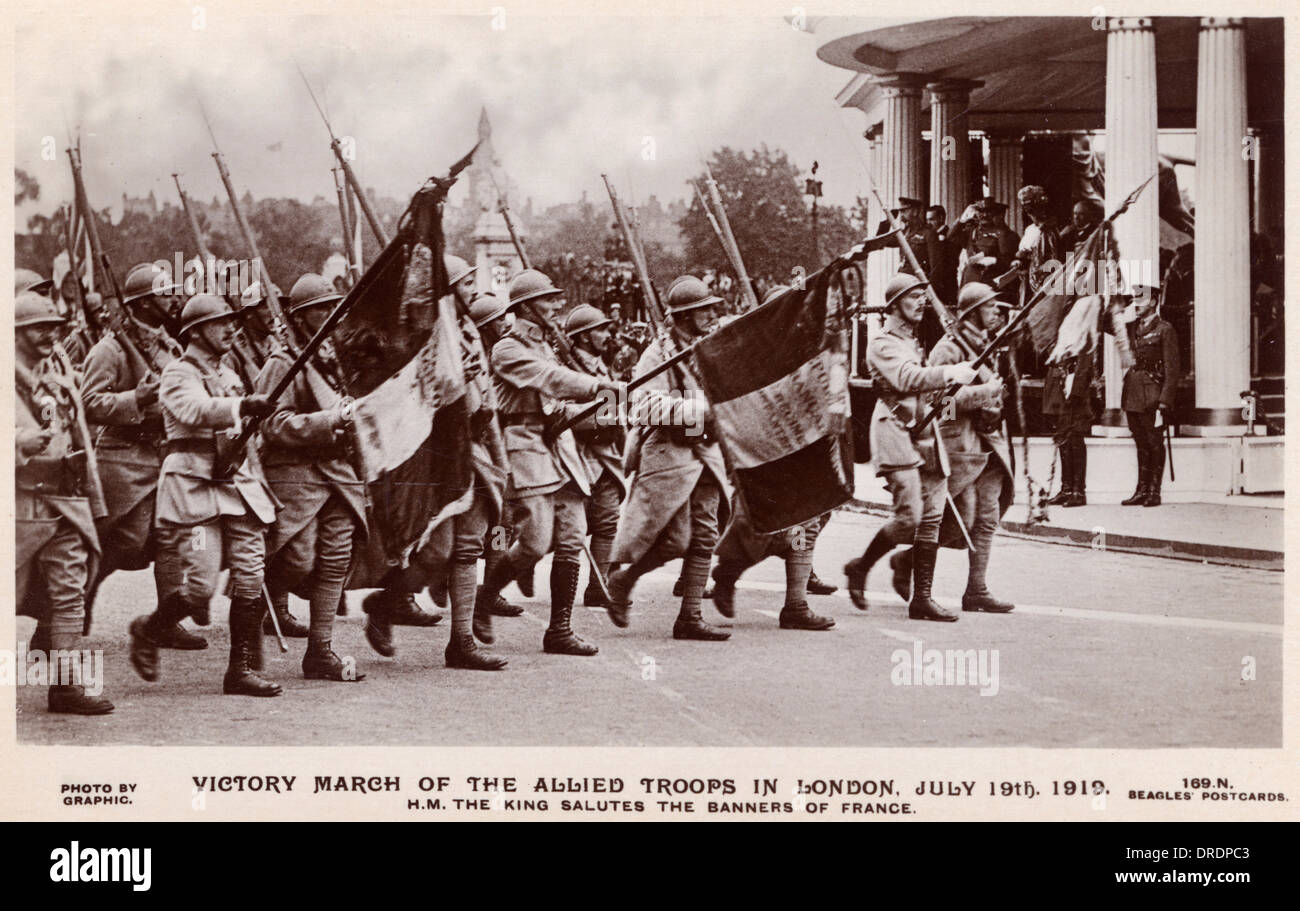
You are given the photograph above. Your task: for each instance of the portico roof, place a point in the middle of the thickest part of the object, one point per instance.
(1048, 72)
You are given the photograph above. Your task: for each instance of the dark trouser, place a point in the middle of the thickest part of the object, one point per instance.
(1072, 427)
(1150, 443)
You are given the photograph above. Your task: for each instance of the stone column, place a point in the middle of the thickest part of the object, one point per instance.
(950, 144)
(1131, 158)
(1005, 176)
(1270, 183)
(901, 146)
(1222, 316)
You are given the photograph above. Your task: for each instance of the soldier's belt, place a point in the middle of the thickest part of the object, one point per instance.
(48, 476)
(148, 431)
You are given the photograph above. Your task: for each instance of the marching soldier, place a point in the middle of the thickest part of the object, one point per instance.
(56, 498)
(600, 447)
(975, 444)
(206, 521)
(322, 500)
(1149, 389)
(121, 397)
(456, 545)
(679, 492)
(915, 470)
(549, 479)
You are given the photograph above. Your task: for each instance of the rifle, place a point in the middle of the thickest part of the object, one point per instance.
(283, 330)
(208, 261)
(72, 265)
(122, 326)
(354, 269)
(733, 251)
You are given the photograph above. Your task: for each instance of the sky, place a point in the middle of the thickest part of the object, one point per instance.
(569, 97)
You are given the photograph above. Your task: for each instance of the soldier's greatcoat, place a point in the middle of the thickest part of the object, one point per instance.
(598, 444)
(665, 463)
(304, 458)
(129, 438)
(899, 373)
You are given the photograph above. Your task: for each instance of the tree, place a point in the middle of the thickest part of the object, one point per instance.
(763, 197)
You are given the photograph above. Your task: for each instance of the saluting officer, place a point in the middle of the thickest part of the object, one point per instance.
(679, 491)
(206, 521)
(550, 480)
(600, 446)
(56, 497)
(121, 397)
(305, 456)
(1149, 389)
(915, 470)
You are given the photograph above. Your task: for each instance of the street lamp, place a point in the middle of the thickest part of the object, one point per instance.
(813, 188)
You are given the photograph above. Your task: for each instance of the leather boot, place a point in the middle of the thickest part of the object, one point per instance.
(71, 698)
(560, 638)
(816, 586)
(503, 608)
(320, 663)
(438, 590)
(901, 564)
(379, 628)
(620, 584)
(1154, 481)
(690, 623)
(462, 651)
(147, 630)
(245, 624)
(855, 571)
(498, 574)
(405, 612)
(1140, 492)
(40, 639)
(290, 627)
(725, 576)
(1066, 452)
(178, 637)
(1079, 471)
(601, 550)
(526, 583)
(985, 602)
(922, 606)
(799, 616)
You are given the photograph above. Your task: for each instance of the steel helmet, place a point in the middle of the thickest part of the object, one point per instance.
(312, 290)
(689, 293)
(973, 295)
(457, 268)
(32, 309)
(203, 308)
(584, 318)
(27, 280)
(147, 279)
(485, 308)
(530, 284)
(899, 285)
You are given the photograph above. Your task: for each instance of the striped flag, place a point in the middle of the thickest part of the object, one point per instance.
(399, 350)
(777, 383)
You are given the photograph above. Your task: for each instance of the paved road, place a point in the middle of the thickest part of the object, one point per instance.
(1104, 650)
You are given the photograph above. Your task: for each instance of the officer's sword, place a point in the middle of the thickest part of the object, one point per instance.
(275, 621)
(1169, 448)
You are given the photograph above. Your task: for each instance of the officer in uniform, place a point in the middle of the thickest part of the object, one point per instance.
(305, 455)
(550, 481)
(1148, 392)
(121, 397)
(915, 470)
(679, 491)
(1067, 399)
(205, 521)
(56, 497)
(600, 446)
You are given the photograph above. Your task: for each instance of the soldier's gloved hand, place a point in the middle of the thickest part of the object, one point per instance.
(962, 373)
(146, 391)
(256, 406)
(32, 441)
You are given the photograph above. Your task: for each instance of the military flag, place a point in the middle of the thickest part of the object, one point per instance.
(777, 382)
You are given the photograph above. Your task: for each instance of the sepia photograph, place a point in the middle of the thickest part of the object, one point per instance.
(705, 378)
